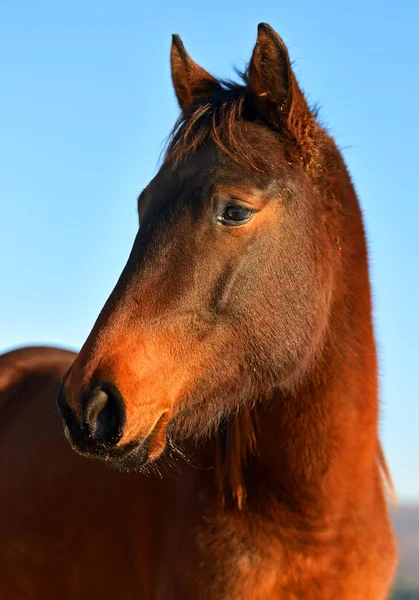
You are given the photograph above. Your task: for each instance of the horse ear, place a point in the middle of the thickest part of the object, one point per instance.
(273, 86)
(190, 81)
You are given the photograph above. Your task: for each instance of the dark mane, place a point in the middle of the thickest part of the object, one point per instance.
(215, 119)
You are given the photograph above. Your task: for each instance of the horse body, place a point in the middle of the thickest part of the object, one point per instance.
(237, 354)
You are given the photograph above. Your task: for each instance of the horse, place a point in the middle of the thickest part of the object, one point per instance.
(230, 380)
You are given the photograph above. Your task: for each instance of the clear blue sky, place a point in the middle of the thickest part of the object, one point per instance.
(86, 103)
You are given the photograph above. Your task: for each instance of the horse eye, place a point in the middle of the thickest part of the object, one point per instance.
(236, 215)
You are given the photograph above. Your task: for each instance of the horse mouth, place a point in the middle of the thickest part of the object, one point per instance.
(131, 456)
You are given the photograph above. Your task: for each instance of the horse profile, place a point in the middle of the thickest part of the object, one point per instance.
(231, 376)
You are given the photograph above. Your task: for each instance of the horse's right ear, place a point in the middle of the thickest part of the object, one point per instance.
(274, 88)
(190, 81)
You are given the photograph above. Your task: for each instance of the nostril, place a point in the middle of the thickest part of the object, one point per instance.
(105, 416)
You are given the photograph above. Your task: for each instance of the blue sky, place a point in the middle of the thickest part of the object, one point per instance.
(86, 103)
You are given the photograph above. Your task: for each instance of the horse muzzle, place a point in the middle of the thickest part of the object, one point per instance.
(97, 432)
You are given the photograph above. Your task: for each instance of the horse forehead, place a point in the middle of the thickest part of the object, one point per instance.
(204, 175)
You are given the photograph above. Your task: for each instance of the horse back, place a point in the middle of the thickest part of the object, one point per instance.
(31, 369)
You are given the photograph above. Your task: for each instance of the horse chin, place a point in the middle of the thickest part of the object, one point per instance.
(136, 457)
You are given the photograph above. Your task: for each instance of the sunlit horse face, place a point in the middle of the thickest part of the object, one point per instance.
(228, 287)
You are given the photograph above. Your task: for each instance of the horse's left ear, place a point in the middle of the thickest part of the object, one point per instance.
(190, 81)
(273, 87)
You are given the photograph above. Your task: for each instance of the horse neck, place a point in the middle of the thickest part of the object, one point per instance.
(312, 447)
